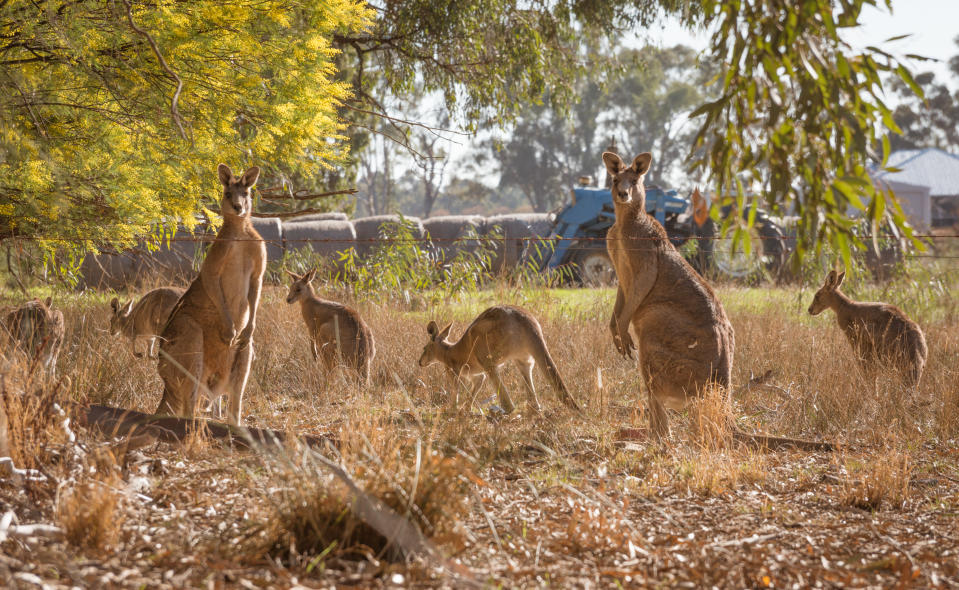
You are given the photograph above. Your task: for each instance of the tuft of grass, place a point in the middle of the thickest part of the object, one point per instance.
(90, 513)
(29, 420)
(312, 515)
(882, 482)
(712, 419)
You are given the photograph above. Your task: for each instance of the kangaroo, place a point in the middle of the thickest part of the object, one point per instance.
(146, 319)
(881, 335)
(501, 333)
(207, 344)
(686, 341)
(35, 330)
(336, 330)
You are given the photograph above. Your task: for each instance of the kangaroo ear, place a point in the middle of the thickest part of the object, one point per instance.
(830, 280)
(308, 277)
(114, 304)
(614, 164)
(839, 279)
(129, 307)
(445, 331)
(432, 329)
(293, 275)
(225, 174)
(249, 177)
(641, 163)
(48, 302)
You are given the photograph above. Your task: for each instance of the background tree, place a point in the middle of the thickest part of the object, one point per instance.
(929, 121)
(116, 113)
(643, 105)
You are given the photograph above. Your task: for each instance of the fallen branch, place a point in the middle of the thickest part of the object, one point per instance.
(120, 422)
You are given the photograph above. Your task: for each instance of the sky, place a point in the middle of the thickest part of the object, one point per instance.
(932, 25)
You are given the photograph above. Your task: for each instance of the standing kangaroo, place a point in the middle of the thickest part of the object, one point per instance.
(685, 340)
(881, 335)
(207, 344)
(501, 333)
(144, 320)
(337, 332)
(35, 330)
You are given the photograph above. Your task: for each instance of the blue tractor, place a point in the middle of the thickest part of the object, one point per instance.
(580, 230)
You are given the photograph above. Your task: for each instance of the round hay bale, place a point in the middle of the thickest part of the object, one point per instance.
(327, 238)
(329, 216)
(369, 230)
(445, 233)
(109, 271)
(517, 231)
(174, 263)
(271, 229)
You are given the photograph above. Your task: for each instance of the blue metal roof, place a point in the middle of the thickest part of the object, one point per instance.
(931, 167)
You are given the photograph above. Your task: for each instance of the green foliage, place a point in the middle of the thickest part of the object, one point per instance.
(799, 116)
(117, 113)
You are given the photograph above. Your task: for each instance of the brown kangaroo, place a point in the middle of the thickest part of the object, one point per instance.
(501, 333)
(35, 330)
(685, 340)
(145, 319)
(881, 335)
(336, 330)
(207, 344)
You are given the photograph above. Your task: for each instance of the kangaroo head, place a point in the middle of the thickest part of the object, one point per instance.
(120, 313)
(826, 295)
(237, 198)
(431, 352)
(627, 185)
(300, 287)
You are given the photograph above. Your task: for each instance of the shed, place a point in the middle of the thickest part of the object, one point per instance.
(933, 168)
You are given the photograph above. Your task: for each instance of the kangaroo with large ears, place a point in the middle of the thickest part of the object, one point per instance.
(207, 345)
(685, 341)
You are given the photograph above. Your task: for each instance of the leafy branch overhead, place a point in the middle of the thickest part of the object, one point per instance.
(800, 117)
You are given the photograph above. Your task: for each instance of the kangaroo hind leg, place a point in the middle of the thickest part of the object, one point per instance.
(181, 369)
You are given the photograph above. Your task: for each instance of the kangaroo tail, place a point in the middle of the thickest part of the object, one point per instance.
(777, 442)
(545, 361)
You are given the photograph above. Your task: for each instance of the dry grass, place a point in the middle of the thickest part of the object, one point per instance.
(556, 499)
(90, 512)
(29, 422)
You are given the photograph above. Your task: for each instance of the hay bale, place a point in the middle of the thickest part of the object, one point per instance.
(327, 238)
(174, 263)
(271, 229)
(517, 231)
(445, 233)
(110, 270)
(369, 230)
(329, 216)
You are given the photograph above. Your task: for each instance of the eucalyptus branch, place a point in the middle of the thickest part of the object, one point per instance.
(174, 111)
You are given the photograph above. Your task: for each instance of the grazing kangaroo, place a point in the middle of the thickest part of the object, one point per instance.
(207, 344)
(881, 335)
(337, 332)
(35, 330)
(685, 340)
(144, 320)
(501, 333)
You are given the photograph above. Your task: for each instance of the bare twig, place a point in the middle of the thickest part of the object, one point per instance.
(278, 194)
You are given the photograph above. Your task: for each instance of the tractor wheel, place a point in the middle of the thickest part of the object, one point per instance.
(594, 268)
(767, 252)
